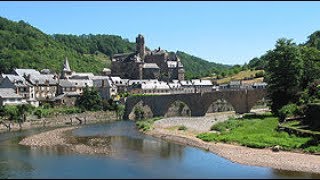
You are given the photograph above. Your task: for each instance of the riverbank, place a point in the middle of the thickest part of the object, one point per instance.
(62, 120)
(62, 137)
(167, 129)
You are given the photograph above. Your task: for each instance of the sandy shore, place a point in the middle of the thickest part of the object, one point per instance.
(250, 156)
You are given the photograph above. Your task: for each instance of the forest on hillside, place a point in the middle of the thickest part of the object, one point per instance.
(24, 46)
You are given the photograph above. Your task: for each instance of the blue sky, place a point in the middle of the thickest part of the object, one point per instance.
(218, 31)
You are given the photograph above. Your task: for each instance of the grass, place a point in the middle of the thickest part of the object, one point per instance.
(241, 75)
(146, 124)
(47, 112)
(258, 131)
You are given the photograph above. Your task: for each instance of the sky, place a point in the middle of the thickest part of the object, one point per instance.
(228, 32)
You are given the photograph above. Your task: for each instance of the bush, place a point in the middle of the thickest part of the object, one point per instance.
(147, 123)
(259, 74)
(226, 125)
(287, 111)
(312, 113)
(182, 128)
(139, 113)
(40, 112)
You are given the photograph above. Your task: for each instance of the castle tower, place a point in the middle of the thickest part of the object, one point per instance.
(66, 70)
(140, 46)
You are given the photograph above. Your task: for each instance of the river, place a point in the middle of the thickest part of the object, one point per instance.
(134, 155)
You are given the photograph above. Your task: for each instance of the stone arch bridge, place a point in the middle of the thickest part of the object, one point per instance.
(242, 101)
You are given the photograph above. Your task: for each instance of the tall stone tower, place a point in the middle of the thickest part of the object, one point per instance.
(140, 46)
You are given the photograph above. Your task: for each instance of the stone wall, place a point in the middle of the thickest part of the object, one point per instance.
(63, 120)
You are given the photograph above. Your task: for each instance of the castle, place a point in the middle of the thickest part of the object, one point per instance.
(144, 64)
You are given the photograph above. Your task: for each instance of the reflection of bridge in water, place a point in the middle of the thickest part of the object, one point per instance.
(242, 100)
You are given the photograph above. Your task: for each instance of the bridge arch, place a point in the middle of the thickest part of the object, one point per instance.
(219, 105)
(140, 111)
(178, 108)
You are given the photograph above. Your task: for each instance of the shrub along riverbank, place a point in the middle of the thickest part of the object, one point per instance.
(258, 131)
(146, 124)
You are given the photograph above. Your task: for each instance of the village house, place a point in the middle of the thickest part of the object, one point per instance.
(121, 84)
(187, 86)
(21, 87)
(202, 86)
(176, 87)
(260, 85)
(148, 86)
(235, 84)
(8, 96)
(104, 85)
(45, 85)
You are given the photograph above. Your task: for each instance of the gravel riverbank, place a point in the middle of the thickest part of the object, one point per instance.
(250, 156)
(59, 137)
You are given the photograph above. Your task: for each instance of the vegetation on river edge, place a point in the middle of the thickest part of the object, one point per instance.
(258, 131)
(146, 124)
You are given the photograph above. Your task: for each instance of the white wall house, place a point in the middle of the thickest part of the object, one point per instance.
(9, 97)
(21, 87)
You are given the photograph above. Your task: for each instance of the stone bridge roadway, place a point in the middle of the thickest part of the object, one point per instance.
(242, 101)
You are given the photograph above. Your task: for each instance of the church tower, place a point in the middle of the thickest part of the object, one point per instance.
(66, 70)
(140, 46)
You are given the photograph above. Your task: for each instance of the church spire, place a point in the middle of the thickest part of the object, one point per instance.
(66, 66)
(66, 70)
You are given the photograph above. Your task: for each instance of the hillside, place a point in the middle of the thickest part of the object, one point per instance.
(24, 46)
(196, 67)
(248, 76)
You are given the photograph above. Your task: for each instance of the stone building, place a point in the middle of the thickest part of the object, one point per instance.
(44, 85)
(144, 64)
(8, 96)
(21, 87)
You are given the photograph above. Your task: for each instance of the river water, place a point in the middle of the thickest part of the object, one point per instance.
(134, 155)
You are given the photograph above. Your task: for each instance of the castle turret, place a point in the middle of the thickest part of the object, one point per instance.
(140, 46)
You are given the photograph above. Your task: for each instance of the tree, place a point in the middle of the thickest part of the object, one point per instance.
(283, 71)
(314, 40)
(120, 110)
(23, 110)
(90, 100)
(311, 65)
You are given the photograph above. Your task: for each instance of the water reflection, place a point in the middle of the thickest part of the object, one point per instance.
(126, 140)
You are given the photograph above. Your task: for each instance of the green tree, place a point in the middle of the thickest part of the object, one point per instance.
(90, 100)
(23, 110)
(311, 65)
(314, 40)
(120, 111)
(283, 71)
